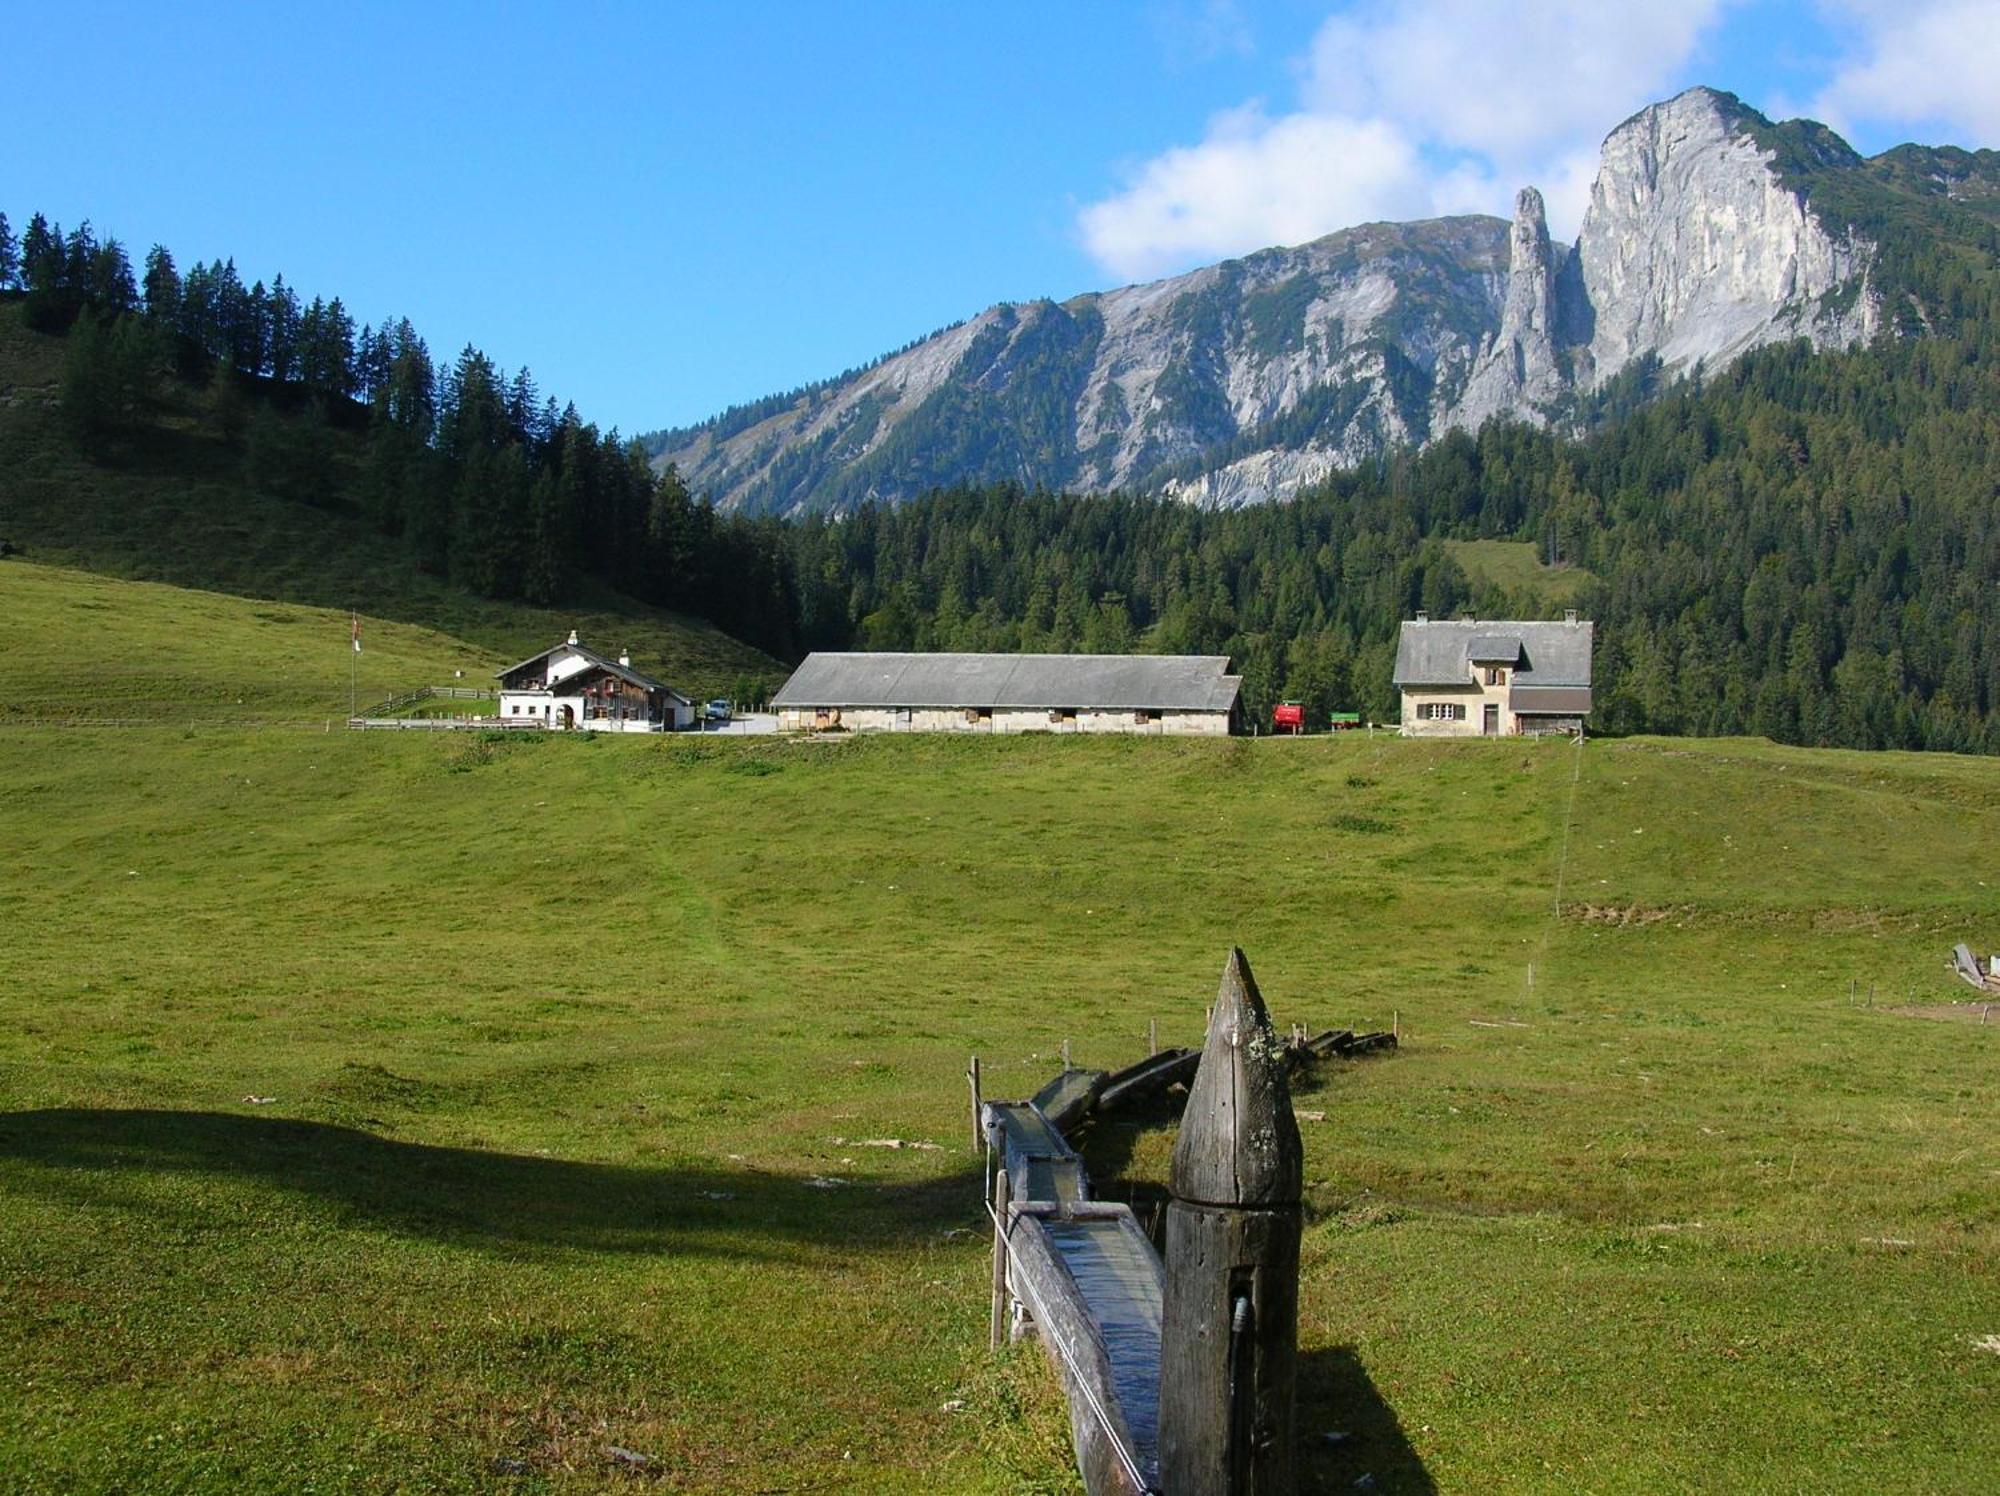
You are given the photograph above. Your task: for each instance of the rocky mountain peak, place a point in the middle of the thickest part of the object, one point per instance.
(1246, 380)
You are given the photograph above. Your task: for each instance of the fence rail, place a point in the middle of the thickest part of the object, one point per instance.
(425, 693)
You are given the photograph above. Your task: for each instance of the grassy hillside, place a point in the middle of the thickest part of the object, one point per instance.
(1515, 566)
(176, 507)
(94, 647)
(378, 1112)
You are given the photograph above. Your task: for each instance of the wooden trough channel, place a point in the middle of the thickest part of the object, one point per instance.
(1084, 1277)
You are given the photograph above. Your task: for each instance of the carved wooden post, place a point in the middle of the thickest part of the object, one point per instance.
(1229, 1329)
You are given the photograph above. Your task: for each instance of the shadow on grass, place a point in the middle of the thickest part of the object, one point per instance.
(1336, 1396)
(465, 1196)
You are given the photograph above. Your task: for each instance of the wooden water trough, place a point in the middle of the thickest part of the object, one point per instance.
(1084, 1277)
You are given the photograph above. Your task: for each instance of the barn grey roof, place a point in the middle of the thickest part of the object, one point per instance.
(624, 672)
(1181, 683)
(1441, 652)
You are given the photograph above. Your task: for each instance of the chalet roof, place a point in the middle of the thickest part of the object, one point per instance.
(1441, 652)
(623, 672)
(1185, 683)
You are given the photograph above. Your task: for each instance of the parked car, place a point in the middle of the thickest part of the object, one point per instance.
(716, 711)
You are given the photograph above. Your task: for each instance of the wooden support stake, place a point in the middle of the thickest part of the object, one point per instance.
(972, 1079)
(1065, 1054)
(1152, 1036)
(1396, 1024)
(1002, 1192)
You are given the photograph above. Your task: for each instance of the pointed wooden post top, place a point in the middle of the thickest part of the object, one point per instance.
(1239, 1142)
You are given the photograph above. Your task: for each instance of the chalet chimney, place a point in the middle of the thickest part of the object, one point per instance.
(572, 636)
(1423, 615)
(625, 658)
(1569, 615)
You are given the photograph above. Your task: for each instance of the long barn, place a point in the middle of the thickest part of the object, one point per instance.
(1010, 693)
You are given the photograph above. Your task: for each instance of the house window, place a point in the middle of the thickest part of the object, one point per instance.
(1444, 711)
(1140, 719)
(1496, 675)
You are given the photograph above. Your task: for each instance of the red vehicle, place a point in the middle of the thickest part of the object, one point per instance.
(1289, 716)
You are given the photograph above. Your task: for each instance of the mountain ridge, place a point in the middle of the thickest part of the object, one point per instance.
(1251, 378)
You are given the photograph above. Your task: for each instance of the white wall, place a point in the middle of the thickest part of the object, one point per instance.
(1416, 725)
(563, 663)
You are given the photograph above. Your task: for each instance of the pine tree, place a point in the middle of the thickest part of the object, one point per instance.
(111, 287)
(10, 256)
(162, 286)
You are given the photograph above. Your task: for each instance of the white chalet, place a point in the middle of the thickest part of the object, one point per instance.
(570, 686)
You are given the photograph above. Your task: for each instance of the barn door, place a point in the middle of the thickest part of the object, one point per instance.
(1491, 726)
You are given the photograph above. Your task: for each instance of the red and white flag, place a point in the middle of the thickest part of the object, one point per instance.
(356, 633)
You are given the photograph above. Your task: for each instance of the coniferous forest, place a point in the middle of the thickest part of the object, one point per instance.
(1804, 545)
(482, 477)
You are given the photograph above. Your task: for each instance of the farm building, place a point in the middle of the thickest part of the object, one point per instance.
(570, 686)
(1487, 678)
(1148, 694)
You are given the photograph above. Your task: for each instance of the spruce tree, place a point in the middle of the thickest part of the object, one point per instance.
(162, 286)
(10, 256)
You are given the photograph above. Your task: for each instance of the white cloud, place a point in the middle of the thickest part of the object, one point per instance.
(1926, 63)
(1427, 106)
(1507, 81)
(1255, 181)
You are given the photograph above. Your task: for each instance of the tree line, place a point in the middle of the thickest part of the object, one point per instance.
(483, 478)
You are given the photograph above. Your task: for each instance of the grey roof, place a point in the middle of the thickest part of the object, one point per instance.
(1440, 652)
(1563, 701)
(1186, 683)
(1493, 649)
(624, 672)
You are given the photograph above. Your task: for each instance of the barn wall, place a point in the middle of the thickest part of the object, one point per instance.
(953, 719)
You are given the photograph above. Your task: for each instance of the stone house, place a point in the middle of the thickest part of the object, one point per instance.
(1469, 677)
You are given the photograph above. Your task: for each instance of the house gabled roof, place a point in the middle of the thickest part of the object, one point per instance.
(1184, 683)
(623, 672)
(1441, 652)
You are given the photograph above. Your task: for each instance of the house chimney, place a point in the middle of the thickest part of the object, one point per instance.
(625, 658)
(572, 636)
(1423, 615)
(1569, 615)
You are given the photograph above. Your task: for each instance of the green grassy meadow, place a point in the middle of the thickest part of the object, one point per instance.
(428, 1112)
(95, 648)
(1515, 565)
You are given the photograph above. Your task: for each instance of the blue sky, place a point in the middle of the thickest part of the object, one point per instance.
(664, 209)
